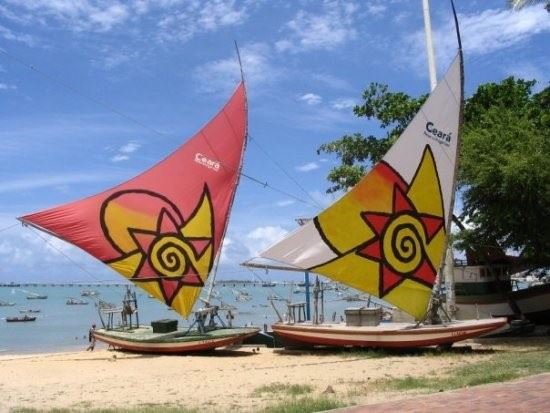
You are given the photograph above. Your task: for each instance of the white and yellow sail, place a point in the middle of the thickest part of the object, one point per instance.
(387, 235)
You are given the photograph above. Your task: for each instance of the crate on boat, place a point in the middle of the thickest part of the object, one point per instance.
(363, 316)
(164, 326)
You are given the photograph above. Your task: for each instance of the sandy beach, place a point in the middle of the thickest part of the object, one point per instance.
(220, 381)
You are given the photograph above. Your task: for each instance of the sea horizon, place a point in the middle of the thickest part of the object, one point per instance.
(60, 327)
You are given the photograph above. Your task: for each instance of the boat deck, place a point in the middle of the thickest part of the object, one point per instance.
(145, 334)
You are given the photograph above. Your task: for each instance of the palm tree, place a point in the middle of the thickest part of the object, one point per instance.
(519, 4)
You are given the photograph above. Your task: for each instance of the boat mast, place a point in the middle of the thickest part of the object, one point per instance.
(429, 44)
(447, 265)
(239, 173)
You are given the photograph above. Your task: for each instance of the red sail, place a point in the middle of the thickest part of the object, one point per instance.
(163, 228)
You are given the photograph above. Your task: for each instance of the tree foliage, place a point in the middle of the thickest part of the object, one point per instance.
(357, 153)
(504, 170)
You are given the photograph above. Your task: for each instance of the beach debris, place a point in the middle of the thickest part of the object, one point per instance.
(329, 390)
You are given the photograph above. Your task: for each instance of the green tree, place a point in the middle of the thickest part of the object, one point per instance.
(504, 175)
(357, 153)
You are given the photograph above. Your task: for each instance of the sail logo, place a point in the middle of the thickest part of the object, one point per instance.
(209, 163)
(434, 133)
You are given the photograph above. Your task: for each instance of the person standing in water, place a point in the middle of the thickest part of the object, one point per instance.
(91, 338)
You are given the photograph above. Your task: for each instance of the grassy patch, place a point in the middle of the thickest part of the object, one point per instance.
(290, 389)
(501, 367)
(304, 405)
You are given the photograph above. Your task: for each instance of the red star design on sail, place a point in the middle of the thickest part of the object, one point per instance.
(170, 285)
(410, 254)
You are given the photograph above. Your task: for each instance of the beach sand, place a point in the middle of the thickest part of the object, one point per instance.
(221, 381)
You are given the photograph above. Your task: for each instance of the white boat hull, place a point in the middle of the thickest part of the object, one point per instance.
(385, 335)
(533, 302)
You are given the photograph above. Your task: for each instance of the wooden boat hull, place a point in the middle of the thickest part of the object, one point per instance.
(385, 335)
(143, 340)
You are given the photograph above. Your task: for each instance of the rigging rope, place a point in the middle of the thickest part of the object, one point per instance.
(9, 227)
(47, 241)
(82, 94)
(255, 141)
(114, 110)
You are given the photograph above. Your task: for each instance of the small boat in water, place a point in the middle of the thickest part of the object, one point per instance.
(89, 293)
(29, 310)
(35, 296)
(76, 301)
(241, 295)
(20, 319)
(6, 303)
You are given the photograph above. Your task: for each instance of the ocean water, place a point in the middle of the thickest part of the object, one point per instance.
(61, 327)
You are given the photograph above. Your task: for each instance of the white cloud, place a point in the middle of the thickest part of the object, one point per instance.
(400, 17)
(191, 18)
(331, 28)
(376, 9)
(119, 158)
(311, 98)
(261, 238)
(233, 252)
(310, 166)
(27, 254)
(484, 33)
(46, 181)
(130, 147)
(5, 86)
(76, 15)
(8, 34)
(320, 119)
(112, 57)
(175, 20)
(223, 75)
(343, 103)
(285, 202)
(124, 151)
(330, 80)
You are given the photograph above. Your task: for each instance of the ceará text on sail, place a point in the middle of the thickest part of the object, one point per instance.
(436, 134)
(209, 163)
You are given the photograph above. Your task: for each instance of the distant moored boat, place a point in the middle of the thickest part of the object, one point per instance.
(20, 319)
(76, 301)
(34, 296)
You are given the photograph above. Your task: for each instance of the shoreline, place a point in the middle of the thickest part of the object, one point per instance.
(243, 378)
(47, 350)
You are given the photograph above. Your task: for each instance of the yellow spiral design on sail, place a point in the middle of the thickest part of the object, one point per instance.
(404, 243)
(169, 256)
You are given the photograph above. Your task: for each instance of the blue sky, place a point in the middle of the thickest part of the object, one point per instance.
(115, 86)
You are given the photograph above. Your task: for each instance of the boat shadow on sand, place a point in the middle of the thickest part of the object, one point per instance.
(357, 352)
(231, 352)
